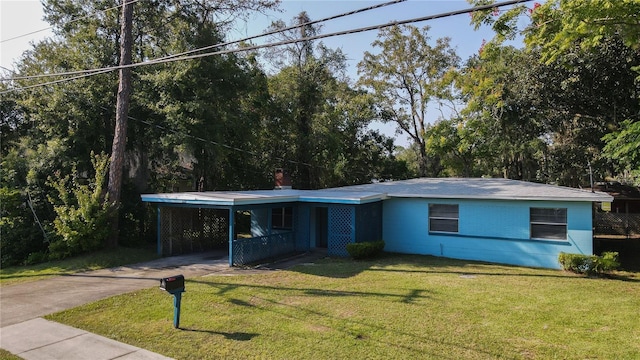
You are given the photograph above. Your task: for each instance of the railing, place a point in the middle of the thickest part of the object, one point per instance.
(251, 250)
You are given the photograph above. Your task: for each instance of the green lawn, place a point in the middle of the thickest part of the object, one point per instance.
(396, 307)
(94, 261)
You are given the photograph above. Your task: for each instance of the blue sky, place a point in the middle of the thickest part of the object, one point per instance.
(18, 17)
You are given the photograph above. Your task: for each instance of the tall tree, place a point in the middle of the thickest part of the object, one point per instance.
(591, 49)
(122, 112)
(406, 77)
(502, 119)
(320, 122)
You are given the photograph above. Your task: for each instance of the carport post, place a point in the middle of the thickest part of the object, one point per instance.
(159, 231)
(232, 221)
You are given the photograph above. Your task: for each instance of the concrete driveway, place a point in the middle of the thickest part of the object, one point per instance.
(23, 332)
(25, 301)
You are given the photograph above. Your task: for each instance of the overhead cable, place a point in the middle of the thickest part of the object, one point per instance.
(68, 22)
(272, 32)
(286, 42)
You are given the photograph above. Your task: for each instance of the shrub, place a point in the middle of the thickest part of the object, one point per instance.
(82, 222)
(589, 264)
(365, 250)
(607, 262)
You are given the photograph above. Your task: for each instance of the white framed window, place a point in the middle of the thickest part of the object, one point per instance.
(548, 223)
(282, 218)
(443, 218)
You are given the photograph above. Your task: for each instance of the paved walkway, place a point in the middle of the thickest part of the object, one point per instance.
(24, 333)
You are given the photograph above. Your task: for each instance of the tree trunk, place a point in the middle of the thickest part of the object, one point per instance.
(423, 160)
(122, 112)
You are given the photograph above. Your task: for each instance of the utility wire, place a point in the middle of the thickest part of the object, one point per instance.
(229, 147)
(68, 22)
(253, 153)
(272, 32)
(286, 42)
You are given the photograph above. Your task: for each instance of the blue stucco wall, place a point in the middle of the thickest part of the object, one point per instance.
(493, 231)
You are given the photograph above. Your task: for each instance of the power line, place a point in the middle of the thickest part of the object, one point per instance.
(285, 42)
(276, 31)
(229, 147)
(68, 22)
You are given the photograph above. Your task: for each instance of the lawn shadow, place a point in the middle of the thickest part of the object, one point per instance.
(345, 268)
(410, 297)
(237, 336)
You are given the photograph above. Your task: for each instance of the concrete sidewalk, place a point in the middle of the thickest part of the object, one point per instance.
(40, 339)
(24, 333)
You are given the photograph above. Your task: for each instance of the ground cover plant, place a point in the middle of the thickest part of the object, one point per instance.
(395, 306)
(92, 261)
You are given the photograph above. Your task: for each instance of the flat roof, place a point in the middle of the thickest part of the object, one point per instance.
(432, 188)
(478, 188)
(257, 197)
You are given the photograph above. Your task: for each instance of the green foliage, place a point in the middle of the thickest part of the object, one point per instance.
(589, 264)
(82, 222)
(319, 121)
(19, 235)
(365, 250)
(23, 170)
(555, 26)
(623, 146)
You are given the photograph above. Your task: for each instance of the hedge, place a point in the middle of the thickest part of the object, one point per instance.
(365, 250)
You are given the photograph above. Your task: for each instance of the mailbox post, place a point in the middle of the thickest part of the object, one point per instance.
(174, 285)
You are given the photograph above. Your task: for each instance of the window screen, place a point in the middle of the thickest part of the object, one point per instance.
(548, 223)
(443, 218)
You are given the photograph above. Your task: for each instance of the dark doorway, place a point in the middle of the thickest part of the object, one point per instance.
(322, 227)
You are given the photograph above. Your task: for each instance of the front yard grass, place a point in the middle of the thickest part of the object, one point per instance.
(394, 307)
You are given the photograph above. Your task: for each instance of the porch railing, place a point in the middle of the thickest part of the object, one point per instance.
(251, 250)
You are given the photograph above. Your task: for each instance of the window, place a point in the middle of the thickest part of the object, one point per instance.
(548, 223)
(443, 218)
(282, 218)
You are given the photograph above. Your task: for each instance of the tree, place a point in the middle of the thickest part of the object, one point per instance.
(503, 120)
(319, 122)
(556, 26)
(82, 222)
(623, 146)
(588, 87)
(122, 112)
(79, 115)
(405, 77)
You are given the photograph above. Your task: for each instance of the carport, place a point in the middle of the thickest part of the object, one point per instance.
(272, 223)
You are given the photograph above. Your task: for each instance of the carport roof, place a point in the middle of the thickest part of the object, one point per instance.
(258, 197)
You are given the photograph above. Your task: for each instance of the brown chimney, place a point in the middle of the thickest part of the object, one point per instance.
(282, 179)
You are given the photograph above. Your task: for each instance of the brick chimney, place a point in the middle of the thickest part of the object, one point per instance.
(282, 179)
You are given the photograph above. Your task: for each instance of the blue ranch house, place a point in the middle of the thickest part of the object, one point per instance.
(493, 220)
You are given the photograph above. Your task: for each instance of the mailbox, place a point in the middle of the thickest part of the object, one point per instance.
(172, 284)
